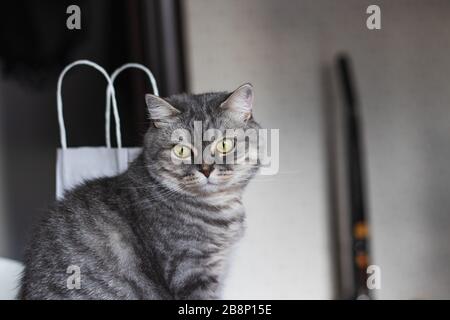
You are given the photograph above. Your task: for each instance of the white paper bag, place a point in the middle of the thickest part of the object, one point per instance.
(77, 165)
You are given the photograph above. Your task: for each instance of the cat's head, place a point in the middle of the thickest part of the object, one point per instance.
(195, 145)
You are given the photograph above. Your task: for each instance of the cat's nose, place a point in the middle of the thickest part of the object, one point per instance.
(206, 170)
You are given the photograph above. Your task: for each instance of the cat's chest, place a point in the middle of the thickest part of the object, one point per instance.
(223, 220)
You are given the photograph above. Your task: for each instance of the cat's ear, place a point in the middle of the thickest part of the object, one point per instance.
(160, 111)
(240, 102)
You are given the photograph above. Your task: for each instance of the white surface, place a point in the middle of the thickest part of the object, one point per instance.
(9, 278)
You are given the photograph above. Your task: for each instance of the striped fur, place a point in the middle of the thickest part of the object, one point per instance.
(152, 232)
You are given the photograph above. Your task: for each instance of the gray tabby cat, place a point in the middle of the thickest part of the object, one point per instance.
(161, 230)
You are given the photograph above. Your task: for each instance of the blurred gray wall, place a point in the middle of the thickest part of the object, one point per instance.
(402, 72)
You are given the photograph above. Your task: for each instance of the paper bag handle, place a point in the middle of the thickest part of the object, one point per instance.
(59, 103)
(110, 94)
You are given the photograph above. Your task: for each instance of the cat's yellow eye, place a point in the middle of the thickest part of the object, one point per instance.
(225, 145)
(182, 151)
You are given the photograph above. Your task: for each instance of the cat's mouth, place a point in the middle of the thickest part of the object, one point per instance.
(201, 183)
(203, 186)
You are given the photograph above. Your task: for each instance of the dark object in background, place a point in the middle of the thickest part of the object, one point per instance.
(355, 170)
(162, 21)
(35, 45)
(155, 39)
(34, 40)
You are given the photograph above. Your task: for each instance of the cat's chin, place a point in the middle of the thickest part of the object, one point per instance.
(204, 188)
